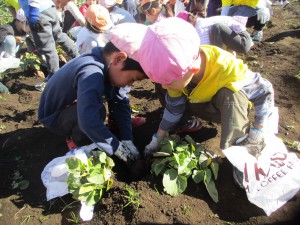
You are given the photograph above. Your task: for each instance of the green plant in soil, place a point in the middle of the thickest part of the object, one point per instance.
(30, 61)
(179, 159)
(88, 180)
(73, 218)
(19, 182)
(133, 197)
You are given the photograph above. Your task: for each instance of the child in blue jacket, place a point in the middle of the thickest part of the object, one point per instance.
(72, 103)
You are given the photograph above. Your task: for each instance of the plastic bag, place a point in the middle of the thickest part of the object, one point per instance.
(55, 174)
(271, 179)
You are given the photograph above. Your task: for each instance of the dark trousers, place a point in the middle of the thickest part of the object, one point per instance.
(67, 125)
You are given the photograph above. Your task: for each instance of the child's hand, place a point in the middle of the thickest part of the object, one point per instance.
(19, 39)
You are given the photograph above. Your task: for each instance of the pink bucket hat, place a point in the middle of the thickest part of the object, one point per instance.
(128, 37)
(166, 50)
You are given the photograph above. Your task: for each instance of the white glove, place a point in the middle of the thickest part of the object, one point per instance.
(127, 152)
(152, 146)
(254, 141)
(225, 10)
(263, 15)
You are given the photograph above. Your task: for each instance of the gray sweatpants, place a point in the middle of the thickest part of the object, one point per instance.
(46, 40)
(221, 34)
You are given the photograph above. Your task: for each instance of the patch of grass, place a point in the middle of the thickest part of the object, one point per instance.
(25, 219)
(266, 75)
(2, 127)
(43, 218)
(155, 188)
(133, 197)
(73, 218)
(292, 24)
(19, 182)
(298, 75)
(186, 209)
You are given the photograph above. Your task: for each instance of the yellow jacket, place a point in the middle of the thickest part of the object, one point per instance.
(251, 3)
(222, 69)
(13, 3)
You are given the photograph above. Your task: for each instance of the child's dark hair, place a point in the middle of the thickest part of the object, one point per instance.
(92, 28)
(166, 9)
(129, 64)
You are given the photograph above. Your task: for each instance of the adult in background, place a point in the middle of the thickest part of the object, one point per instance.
(46, 31)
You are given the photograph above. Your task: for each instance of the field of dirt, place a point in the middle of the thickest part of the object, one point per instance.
(26, 148)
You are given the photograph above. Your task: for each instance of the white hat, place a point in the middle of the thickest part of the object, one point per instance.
(107, 3)
(20, 15)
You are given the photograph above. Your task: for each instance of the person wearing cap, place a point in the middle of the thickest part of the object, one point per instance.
(11, 41)
(204, 81)
(117, 14)
(45, 28)
(156, 11)
(13, 7)
(95, 33)
(223, 31)
(72, 103)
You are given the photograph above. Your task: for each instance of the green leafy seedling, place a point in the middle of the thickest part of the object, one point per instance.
(88, 180)
(179, 159)
(19, 182)
(133, 197)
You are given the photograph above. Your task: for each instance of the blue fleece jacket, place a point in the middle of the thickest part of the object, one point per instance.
(85, 79)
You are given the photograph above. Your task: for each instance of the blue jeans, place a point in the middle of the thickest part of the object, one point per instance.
(8, 47)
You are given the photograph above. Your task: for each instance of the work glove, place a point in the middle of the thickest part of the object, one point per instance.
(127, 152)
(34, 19)
(152, 146)
(254, 141)
(263, 15)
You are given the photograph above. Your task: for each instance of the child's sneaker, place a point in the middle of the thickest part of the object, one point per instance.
(285, 4)
(192, 125)
(135, 122)
(257, 35)
(40, 86)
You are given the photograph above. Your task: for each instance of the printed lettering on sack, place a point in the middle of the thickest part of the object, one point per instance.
(278, 161)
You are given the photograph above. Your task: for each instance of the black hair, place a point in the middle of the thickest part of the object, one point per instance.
(129, 64)
(92, 28)
(168, 12)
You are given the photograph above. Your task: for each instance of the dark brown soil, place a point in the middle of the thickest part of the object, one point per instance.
(26, 147)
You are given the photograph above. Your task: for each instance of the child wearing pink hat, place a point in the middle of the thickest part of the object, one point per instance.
(215, 85)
